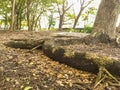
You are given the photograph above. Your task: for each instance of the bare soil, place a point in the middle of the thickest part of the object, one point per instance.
(21, 69)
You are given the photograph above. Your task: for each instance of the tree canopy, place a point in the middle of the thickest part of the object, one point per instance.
(31, 14)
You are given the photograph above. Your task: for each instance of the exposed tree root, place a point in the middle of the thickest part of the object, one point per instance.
(114, 84)
(102, 75)
(36, 47)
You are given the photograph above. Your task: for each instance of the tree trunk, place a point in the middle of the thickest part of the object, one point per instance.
(28, 15)
(105, 23)
(50, 21)
(6, 21)
(32, 22)
(61, 22)
(118, 29)
(77, 18)
(17, 20)
(12, 16)
(36, 22)
(20, 21)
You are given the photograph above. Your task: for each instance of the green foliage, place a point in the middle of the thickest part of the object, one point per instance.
(38, 9)
(85, 16)
(0, 22)
(87, 29)
(59, 1)
(70, 15)
(51, 21)
(5, 9)
(71, 30)
(90, 11)
(53, 29)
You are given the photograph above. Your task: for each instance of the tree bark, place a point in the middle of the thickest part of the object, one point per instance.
(61, 22)
(28, 15)
(36, 22)
(24, 43)
(6, 21)
(83, 5)
(105, 23)
(118, 29)
(12, 16)
(62, 12)
(77, 18)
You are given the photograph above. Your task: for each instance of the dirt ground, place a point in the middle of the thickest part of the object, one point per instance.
(21, 69)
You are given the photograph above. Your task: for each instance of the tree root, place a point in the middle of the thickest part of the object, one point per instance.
(114, 84)
(102, 75)
(36, 47)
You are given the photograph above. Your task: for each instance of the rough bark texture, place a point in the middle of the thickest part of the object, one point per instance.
(105, 23)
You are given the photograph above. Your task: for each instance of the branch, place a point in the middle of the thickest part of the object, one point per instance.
(82, 3)
(63, 6)
(68, 8)
(58, 8)
(87, 4)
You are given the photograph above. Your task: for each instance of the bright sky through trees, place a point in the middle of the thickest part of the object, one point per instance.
(76, 7)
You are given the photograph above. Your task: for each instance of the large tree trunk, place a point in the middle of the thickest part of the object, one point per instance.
(12, 16)
(105, 23)
(118, 29)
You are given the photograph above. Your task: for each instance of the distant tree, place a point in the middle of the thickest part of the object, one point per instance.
(51, 21)
(63, 7)
(20, 13)
(35, 9)
(6, 13)
(83, 5)
(51, 16)
(12, 24)
(28, 2)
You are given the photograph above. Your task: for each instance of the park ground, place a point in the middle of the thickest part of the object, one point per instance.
(21, 69)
